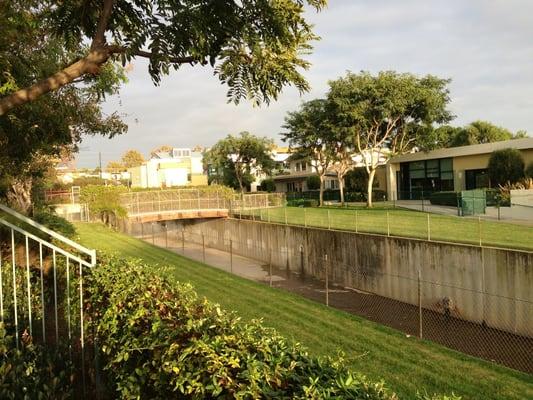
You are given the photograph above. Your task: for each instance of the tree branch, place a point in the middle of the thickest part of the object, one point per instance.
(99, 37)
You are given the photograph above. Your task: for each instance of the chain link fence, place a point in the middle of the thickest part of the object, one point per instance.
(428, 309)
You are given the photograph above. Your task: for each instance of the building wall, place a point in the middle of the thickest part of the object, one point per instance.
(460, 165)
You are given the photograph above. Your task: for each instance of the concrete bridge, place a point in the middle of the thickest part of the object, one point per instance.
(167, 205)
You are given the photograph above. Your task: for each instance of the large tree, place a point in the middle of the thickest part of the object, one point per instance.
(477, 132)
(386, 113)
(240, 157)
(31, 137)
(309, 133)
(255, 46)
(132, 158)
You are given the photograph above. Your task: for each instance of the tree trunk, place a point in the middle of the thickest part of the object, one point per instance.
(321, 197)
(371, 175)
(19, 194)
(340, 178)
(88, 65)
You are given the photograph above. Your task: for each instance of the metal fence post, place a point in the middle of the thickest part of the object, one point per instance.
(429, 227)
(479, 230)
(327, 281)
(203, 248)
(285, 211)
(231, 255)
(270, 266)
(419, 305)
(302, 265)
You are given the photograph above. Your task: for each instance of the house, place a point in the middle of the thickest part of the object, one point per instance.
(293, 177)
(179, 167)
(450, 169)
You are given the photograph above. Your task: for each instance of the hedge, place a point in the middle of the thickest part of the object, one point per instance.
(444, 198)
(159, 340)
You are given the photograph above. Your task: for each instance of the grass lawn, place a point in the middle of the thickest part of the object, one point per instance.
(406, 364)
(405, 223)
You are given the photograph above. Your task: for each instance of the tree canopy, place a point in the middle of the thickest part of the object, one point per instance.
(255, 47)
(477, 132)
(309, 132)
(388, 113)
(132, 158)
(238, 157)
(31, 137)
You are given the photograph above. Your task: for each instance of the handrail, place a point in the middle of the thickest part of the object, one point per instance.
(47, 244)
(55, 235)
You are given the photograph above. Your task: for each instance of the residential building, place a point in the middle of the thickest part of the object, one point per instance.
(456, 168)
(179, 167)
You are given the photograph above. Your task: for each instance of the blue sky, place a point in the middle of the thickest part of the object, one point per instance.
(484, 46)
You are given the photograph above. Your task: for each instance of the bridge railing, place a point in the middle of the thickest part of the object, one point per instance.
(136, 203)
(157, 201)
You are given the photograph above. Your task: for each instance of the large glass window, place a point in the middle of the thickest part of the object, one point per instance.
(427, 176)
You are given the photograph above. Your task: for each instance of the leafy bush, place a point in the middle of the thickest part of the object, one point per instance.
(313, 182)
(159, 340)
(55, 222)
(302, 203)
(103, 201)
(505, 166)
(268, 185)
(444, 198)
(33, 372)
(529, 170)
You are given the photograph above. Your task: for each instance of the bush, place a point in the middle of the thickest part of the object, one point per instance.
(159, 340)
(444, 198)
(302, 203)
(33, 372)
(529, 170)
(103, 200)
(313, 182)
(55, 223)
(505, 166)
(268, 185)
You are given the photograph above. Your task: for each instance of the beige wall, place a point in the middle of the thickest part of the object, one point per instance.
(198, 180)
(460, 165)
(485, 284)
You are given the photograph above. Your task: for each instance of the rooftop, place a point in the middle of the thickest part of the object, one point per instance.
(485, 148)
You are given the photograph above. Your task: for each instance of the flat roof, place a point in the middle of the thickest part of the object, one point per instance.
(485, 148)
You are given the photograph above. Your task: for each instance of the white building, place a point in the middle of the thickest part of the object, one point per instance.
(180, 167)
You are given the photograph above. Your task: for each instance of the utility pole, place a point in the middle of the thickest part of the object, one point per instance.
(100, 162)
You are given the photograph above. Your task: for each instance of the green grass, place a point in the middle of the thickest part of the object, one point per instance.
(406, 364)
(405, 223)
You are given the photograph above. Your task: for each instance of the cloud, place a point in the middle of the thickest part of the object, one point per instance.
(484, 46)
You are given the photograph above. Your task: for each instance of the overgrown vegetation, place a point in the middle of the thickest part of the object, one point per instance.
(161, 340)
(33, 372)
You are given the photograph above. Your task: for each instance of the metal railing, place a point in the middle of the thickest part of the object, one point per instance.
(37, 277)
(137, 203)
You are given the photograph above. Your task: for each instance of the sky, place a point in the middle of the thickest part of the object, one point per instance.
(484, 46)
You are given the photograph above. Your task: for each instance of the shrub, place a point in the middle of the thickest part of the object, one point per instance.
(55, 223)
(444, 198)
(33, 372)
(529, 170)
(313, 182)
(268, 185)
(505, 166)
(103, 201)
(159, 340)
(302, 203)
